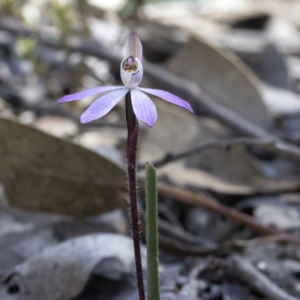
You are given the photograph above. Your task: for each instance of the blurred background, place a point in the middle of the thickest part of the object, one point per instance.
(228, 175)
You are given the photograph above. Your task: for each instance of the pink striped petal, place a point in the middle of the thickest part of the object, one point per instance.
(134, 46)
(168, 97)
(87, 93)
(103, 105)
(143, 107)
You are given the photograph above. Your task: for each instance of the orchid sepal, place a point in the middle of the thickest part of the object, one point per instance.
(134, 46)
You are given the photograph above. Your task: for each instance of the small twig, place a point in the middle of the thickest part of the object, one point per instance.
(209, 203)
(271, 145)
(257, 280)
(180, 235)
(180, 248)
(169, 216)
(190, 289)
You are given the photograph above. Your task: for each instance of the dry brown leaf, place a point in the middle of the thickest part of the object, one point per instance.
(42, 172)
(223, 76)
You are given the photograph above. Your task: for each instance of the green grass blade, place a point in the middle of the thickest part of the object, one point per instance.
(152, 234)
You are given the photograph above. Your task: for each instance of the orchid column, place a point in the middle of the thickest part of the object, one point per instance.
(138, 107)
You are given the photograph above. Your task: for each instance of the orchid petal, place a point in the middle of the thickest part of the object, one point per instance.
(103, 105)
(87, 93)
(143, 107)
(134, 46)
(168, 97)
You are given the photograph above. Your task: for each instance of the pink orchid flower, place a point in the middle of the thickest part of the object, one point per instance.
(132, 75)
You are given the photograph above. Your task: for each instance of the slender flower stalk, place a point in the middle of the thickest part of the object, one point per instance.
(138, 107)
(132, 140)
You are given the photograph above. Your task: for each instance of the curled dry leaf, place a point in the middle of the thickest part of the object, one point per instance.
(62, 271)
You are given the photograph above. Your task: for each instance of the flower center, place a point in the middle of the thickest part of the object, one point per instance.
(130, 64)
(131, 70)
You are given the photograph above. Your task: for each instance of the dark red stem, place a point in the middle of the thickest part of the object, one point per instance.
(132, 140)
